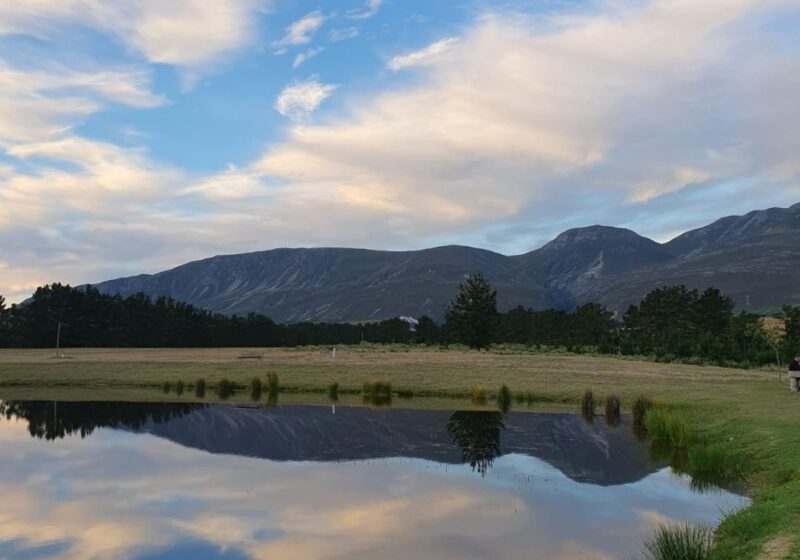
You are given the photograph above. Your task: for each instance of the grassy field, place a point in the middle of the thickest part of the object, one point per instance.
(752, 412)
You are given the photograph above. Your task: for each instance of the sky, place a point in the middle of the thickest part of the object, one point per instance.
(137, 135)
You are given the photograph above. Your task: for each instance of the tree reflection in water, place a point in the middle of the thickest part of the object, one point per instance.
(477, 434)
(55, 420)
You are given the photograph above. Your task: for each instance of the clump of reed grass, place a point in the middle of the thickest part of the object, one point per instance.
(504, 398)
(273, 384)
(640, 407)
(478, 395)
(377, 392)
(613, 406)
(200, 388)
(255, 388)
(224, 388)
(530, 398)
(587, 406)
(679, 542)
(519, 398)
(667, 428)
(166, 387)
(716, 465)
(333, 391)
(405, 393)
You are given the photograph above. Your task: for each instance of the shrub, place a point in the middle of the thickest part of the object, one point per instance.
(200, 388)
(333, 392)
(679, 542)
(504, 398)
(179, 387)
(166, 387)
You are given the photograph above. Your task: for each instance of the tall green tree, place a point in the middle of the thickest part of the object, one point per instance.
(471, 317)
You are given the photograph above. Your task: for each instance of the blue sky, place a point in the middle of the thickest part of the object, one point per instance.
(140, 134)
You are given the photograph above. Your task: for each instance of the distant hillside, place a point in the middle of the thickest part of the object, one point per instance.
(754, 258)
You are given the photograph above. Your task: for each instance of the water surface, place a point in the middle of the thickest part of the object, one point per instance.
(186, 481)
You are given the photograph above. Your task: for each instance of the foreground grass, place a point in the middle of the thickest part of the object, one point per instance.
(750, 413)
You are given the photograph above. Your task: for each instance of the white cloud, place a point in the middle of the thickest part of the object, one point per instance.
(301, 31)
(370, 8)
(305, 56)
(422, 56)
(179, 32)
(343, 34)
(36, 104)
(300, 99)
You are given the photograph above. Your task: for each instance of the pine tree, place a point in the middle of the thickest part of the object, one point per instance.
(472, 316)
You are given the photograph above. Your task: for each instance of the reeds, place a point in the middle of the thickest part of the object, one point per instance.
(166, 387)
(256, 388)
(504, 398)
(405, 393)
(667, 428)
(200, 388)
(377, 392)
(333, 392)
(640, 407)
(225, 388)
(477, 395)
(613, 406)
(273, 385)
(679, 542)
(179, 388)
(587, 406)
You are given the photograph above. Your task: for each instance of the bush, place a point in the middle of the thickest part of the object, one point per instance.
(679, 542)
(179, 387)
(200, 388)
(166, 387)
(378, 392)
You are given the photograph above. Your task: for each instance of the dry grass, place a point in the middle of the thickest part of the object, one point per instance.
(554, 377)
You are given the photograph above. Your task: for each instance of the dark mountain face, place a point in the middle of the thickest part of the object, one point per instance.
(753, 258)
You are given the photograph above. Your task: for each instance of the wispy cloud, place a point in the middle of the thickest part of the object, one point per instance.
(299, 100)
(422, 56)
(343, 34)
(306, 55)
(179, 32)
(301, 31)
(370, 8)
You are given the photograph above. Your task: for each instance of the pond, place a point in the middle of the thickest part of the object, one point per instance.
(190, 481)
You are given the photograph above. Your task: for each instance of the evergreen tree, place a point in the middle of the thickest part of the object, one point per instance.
(471, 317)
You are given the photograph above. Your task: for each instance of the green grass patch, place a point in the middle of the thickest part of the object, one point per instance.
(679, 542)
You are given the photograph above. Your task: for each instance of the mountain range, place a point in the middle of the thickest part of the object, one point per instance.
(754, 258)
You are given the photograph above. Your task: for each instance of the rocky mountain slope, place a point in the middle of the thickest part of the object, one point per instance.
(754, 258)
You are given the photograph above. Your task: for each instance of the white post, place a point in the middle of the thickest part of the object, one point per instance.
(333, 353)
(794, 383)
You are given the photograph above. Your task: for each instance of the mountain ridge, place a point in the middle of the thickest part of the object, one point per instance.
(755, 258)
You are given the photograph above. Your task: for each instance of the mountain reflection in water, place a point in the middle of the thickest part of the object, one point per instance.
(317, 482)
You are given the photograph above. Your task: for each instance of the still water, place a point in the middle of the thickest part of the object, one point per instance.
(160, 481)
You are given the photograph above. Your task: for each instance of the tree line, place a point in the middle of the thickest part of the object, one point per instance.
(670, 323)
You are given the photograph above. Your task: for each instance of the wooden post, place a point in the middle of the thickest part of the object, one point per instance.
(58, 341)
